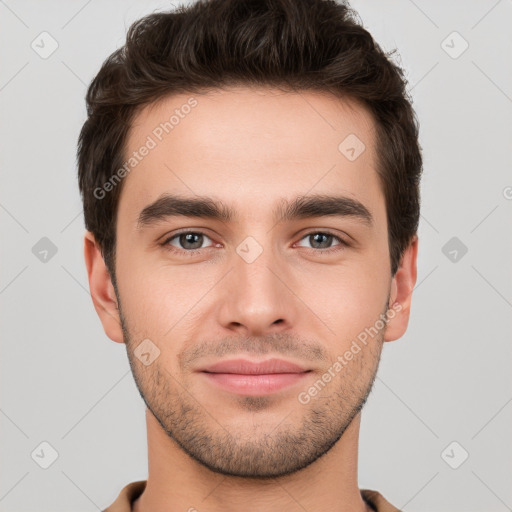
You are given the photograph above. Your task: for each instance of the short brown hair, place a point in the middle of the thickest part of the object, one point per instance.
(297, 45)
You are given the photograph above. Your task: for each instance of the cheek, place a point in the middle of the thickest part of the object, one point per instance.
(152, 293)
(348, 299)
(162, 302)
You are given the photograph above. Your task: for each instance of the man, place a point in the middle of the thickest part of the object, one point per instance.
(250, 176)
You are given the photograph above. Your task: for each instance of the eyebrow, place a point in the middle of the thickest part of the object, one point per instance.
(302, 207)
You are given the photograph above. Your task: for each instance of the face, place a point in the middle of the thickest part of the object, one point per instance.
(281, 252)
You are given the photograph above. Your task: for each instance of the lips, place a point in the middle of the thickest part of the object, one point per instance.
(245, 367)
(244, 377)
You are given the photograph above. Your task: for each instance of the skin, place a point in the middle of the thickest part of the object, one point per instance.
(250, 148)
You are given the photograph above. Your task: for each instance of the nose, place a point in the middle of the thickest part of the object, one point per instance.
(258, 297)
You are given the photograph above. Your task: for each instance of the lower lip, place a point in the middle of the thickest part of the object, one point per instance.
(255, 384)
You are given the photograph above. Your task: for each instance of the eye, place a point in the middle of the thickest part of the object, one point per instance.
(186, 241)
(191, 242)
(321, 241)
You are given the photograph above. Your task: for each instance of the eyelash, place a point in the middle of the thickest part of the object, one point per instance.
(194, 252)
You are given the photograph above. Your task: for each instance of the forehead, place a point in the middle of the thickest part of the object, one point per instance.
(250, 146)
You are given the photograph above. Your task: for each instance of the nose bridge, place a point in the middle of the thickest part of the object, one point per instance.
(252, 264)
(256, 297)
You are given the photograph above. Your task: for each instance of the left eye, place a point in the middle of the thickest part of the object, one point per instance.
(321, 240)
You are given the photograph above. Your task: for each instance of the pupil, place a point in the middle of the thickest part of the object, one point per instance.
(188, 238)
(325, 236)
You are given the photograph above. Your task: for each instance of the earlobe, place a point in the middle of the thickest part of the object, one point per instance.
(101, 289)
(402, 286)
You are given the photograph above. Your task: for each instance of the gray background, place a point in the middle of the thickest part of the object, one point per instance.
(447, 380)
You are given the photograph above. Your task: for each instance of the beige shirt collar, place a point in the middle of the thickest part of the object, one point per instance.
(133, 490)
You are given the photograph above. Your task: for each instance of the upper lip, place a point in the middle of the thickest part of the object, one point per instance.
(243, 366)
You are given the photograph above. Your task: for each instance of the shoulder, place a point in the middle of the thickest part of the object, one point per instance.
(377, 501)
(129, 493)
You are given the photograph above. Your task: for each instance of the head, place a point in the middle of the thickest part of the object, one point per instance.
(281, 139)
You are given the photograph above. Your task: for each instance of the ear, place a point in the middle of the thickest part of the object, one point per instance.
(402, 285)
(102, 291)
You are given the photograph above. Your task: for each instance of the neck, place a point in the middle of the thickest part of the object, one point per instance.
(178, 482)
